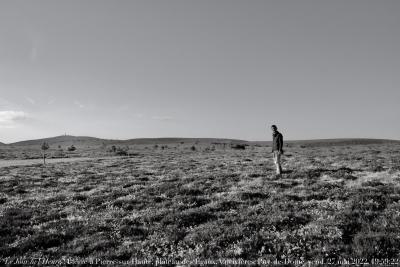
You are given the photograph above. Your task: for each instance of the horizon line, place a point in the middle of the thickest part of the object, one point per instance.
(175, 137)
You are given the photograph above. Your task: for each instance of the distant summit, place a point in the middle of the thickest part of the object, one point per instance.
(63, 140)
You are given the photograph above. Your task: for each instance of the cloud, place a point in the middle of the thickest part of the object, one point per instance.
(87, 105)
(5, 104)
(79, 104)
(30, 100)
(162, 118)
(10, 118)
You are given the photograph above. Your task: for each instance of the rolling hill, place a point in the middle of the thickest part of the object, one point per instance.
(67, 140)
(64, 140)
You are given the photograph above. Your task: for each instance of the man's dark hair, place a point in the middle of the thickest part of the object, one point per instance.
(274, 126)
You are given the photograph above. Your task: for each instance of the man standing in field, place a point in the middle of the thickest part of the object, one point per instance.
(277, 145)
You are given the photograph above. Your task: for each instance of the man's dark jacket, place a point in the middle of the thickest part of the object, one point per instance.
(277, 142)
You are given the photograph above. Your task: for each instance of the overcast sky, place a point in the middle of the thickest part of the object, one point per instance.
(127, 69)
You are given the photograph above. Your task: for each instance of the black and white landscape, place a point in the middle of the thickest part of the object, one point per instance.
(139, 132)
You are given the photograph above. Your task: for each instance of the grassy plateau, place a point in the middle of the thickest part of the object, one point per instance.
(205, 203)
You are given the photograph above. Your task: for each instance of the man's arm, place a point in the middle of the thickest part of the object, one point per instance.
(280, 138)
